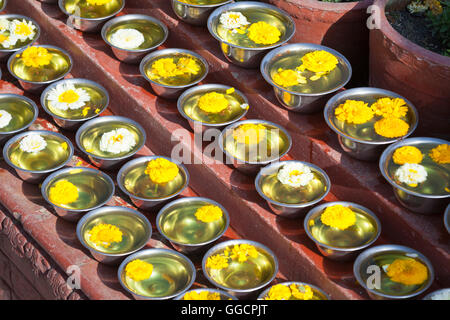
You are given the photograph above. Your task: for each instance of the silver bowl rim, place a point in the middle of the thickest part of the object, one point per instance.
(169, 51)
(203, 5)
(157, 250)
(130, 163)
(112, 209)
(447, 218)
(293, 205)
(65, 170)
(20, 16)
(435, 292)
(345, 204)
(210, 86)
(130, 17)
(231, 243)
(189, 199)
(404, 142)
(221, 292)
(4, 5)
(75, 81)
(238, 123)
(46, 46)
(386, 248)
(26, 99)
(63, 9)
(221, 9)
(42, 132)
(288, 283)
(114, 118)
(269, 58)
(331, 104)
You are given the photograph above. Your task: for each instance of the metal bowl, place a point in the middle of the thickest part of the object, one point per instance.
(135, 227)
(289, 210)
(101, 102)
(253, 167)
(166, 91)
(143, 23)
(223, 295)
(195, 14)
(133, 172)
(64, 65)
(49, 1)
(367, 233)
(87, 24)
(365, 262)
(36, 176)
(5, 53)
(200, 126)
(433, 294)
(96, 189)
(173, 270)
(298, 101)
(267, 268)
(414, 201)
(447, 218)
(3, 5)
(91, 129)
(21, 106)
(319, 294)
(177, 223)
(244, 56)
(360, 148)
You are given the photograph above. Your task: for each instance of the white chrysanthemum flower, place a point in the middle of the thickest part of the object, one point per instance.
(33, 143)
(23, 30)
(127, 38)
(295, 175)
(8, 41)
(233, 20)
(5, 118)
(4, 24)
(117, 141)
(444, 295)
(411, 173)
(65, 96)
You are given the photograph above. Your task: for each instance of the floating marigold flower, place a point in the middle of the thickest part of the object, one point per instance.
(411, 174)
(434, 6)
(279, 292)
(387, 107)
(440, 154)
(320, 61)
(188, 65)
(354, 111)
(213, 102)
(202, 295)
(98, 2)
(301, 292)
(263, 33)
(391, 127)
(338, 216)
(167, 68)
(139, 270)
(105, 234)
(407, 154)
(161, 170)
(249, 133)
(63, 192)
(217, 262)
(36, 57)
(407, 271)
(208, 213)
(242, 252)
(5, 118)
(288, 78)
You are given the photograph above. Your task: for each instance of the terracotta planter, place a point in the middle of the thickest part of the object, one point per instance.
(341, 26)
(421, 76)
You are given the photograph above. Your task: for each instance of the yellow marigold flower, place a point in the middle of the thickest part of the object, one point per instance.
(104, 234)
(319, 61)
(407, 271)
(249, 133)
(391, 127)
(161, 170)
(36, 57)
(263, 33)
(202, 295)
(188, 65)
(139, 270)
(63, 192)
(387, 107)
(301, 292)
(407, 154)
(98, 2)
(288, 78)
(338, 216)
(440, 154)
(243, 252)
(434, 6)
(354, 111)
(164, 68)
(213, 102)
(217, 262)
(279, 292)
(208, 213)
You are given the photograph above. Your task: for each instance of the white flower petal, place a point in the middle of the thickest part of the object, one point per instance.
(295, 175)
(127, 38)
(5, 118)
(54, 97)
(233, 20)
(110, 142)
(411, 173)
(33, 143)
